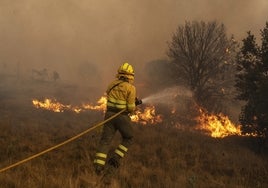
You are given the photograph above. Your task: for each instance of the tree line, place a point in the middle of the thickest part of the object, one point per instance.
(217, 68)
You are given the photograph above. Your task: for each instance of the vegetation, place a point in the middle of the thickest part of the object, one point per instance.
(252, 83)
(161, 156)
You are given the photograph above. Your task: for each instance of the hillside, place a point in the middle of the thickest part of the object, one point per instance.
(161, 156)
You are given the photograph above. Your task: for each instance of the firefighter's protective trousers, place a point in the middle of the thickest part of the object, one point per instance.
(121, 123)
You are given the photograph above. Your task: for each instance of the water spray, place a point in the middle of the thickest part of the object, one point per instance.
(167, 95)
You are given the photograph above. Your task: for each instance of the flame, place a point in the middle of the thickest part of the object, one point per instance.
(49, 104)
(56, 106)
(218, 125)
(101, 105)
(147, 116)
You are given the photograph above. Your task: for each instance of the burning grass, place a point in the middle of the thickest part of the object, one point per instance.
(217, 125)
(146, 115)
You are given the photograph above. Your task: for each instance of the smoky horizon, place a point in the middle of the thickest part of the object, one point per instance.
(78, 38)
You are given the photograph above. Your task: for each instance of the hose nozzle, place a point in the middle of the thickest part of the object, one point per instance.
(138, 101)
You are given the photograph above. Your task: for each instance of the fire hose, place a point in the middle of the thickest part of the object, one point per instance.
(62, 143)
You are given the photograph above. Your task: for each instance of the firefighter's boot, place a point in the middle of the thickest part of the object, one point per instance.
(99, 162)
(110, 172)
(98, 169)
(114, 161)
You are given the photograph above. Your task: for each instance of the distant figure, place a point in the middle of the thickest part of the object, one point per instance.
(121, 94)
(55, 76)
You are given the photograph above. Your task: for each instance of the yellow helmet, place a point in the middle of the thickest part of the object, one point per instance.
(126, 68)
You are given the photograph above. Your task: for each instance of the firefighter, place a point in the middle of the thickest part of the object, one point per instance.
(121, 94)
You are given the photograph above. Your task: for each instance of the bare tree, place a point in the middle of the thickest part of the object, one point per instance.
(203, 56)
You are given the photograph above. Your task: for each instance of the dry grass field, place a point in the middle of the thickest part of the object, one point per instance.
(162, 156)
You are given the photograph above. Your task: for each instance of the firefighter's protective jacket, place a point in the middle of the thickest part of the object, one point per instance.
(121, 95)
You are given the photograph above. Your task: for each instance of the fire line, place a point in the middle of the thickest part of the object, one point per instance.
(144, 117)
(216, 125)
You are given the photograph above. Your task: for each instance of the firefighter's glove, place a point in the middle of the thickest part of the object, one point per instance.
(138, 101)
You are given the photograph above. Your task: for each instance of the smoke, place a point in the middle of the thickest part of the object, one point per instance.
(67, 35)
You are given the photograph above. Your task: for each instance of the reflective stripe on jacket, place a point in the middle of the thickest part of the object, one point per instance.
(120, 95)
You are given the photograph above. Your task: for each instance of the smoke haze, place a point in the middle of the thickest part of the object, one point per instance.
(70, 35)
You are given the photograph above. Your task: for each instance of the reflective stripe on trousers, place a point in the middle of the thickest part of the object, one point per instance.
(121, 150)
(100, 158)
